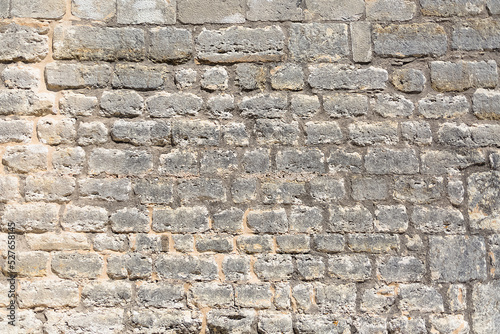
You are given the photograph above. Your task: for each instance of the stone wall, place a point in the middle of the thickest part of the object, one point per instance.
(260, 166)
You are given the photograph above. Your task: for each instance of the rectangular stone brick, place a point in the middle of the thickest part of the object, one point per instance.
(49, 187)
(462, 75)
(120, 162)
(56, 131)
(268, 221)
(421, 298)
(355, 267)
(72, 265)
(105, 189)
(252, 244)
(160, 321)
(365, 134)
(355, 218)
(390, 10)
(186, 267)
(344, 10)
(485, 104)
(477, 135)
(25, 159)
(94, 9)
(161, 295)
(400, 269)
(145, 11)
(373, 243)
(444, 162)
(418, 189)
(23, 42)
(58, 241)
(107, 294)
(483, 197)
(391, 161)
(15, 131)
(31, 264)
(211, 295)
(85, 218)
(442, 106)
(330, 76)
(318, 42)
(264, 105)
(276, 10)
(336, 298)
(282, 192)
(141, 133)
(361, 41)
(253, 295)
(25, 103)
(293, 244)
(223, 46)
(329, 243)
(300, 161)
(218, 162)
(206, 11)
(218, 243)
(451, 7)
(98, 43)
(9, 188)
(438, 219)
(154, 191)
(273, 267)
(130, 265)
(476, 35)
(181, 220)
(40, 9)
(202, 189)
(139, 77)
(54, 294)
(405, 40)
(74, 76)
(31, 217)
(99, 320)
(170, 44)
(195, 132)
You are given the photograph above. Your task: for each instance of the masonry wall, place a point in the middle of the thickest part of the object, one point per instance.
(260, 166)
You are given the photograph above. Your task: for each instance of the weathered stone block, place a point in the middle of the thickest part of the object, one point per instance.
(273, 267)
(236, 267)
(73, 104)
(141, 133)
(369, 188)
(442, 106)
(310, 267)
(391, 218)
(202, 189)
(421, 298)
(271, 132)
(170, 44)
(181, 220)
(53, 9)
(55, 242)
(334, 10)
(218, 243)
(154, 191)
(56, 131)
(462, 75)
(409, 80)
(223, 46)
(329, 76)
(336, 298)
(361, 41)
(56, 294)
(120, 162)
(76, 265)
(49, 187)
(23, 42)
(93, 9)
(282, 192)
(323, 133)
(161, 295)
(159, 321)
(253, 295)
(121, 103)
(391, 161)
(92, 133)
(107, 294)
(25, 159)
(451, 8)
(329, 243)
(350, 219)
(486, 104)
(263, 105)
(173, 104)
(74, 76)
(206, 11)
(145, 11)
(418, 189)
(138, 77)
(195, 132)
(183, 267)
(486, 307)
(416, 132)
(400, 269)
(390, 10)
(350, 267)
(300, 161)
(276, 10)
(15, 131)
(129, 220)
(21, 76)
(105, 189)
(483, 200)
(231, 321)
(434, 219)
(373, 243)
(211, 295)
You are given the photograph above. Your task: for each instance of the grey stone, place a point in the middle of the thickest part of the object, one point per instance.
(182, 267)
(485, 300)
(218, 243)
(277, 10)
(373, 243)
(442, 106)
(56, 131)
(179, 162)
(26, 103)
(223, 46)
(369, 188)
(170, 44)
(457, 258)
(161, 295)
(107, 294)
(92, 133)
(93, 9)
(268, 221)
(15, 131)
(282, 296)
(145, 11)
(330, 76)
(195, 133)
(173, 104)
(310, 267)
(30, 43)
(318, 42)
(211, 295)
(304, 106)
(118, 162)
(75, 265)
(379, 299)
(160, 321)
(25, 159)
(449, 324)
(250, 76)
(329, 243)
(391, 161)
(494, 255)
(105, 189)
(231, 321)
(287, 77)
(433, 219)
(338, 10)
(300, 161)
(74, 76)
(74, 104)
(214, 78)
(293, 244)
(185, 77)
(129, 220)
(306, 219)
(9, 188)
(235, 134)
(29, 264)
(476, 35)
(121, 103)
(483, 200)
(202, 189)
(180, 220)
(218, 162)
(244, 190)
(99, 320)
(82, 42)
(53, 9)
(485, 104)
(409, 80)
(151, 243)
(58, 241)
(405, 40)
(336, 298)
(387, 105)
(322, 324)
(400, 269)
(275, 323)
(355, 218)
(236, 267)
(206, 11)
(138, 77)
(221, 106)
(256, 161)
(456, 191)
(420, 298)
(418, 189)
(183, 243)
(416, 132)
(391, 218)
(461, 135)
(303, 295)
(154, 191)
(116, 243)
(323, 133)
(273, 267)
(404, 325)
(253, 295)
(327, 189)
(370, 324)
(343, 161)
(462, 75)
(48, 294)
(141, 133)
(457, 297)
(279, 192)
(276, 132)
(390, 10)
(49, 187)
(263, 105)
(451, 8)
(21, 76)
(361, 41)
(253, 244)
(350, 267)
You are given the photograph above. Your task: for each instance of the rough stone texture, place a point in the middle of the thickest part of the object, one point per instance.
(250, 166)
